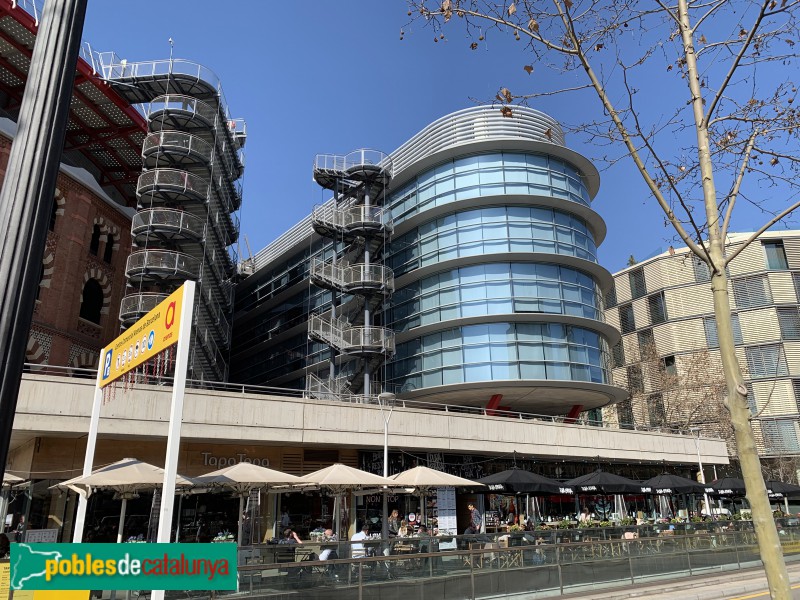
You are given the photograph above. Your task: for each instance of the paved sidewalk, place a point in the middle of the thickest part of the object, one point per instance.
(730, 585)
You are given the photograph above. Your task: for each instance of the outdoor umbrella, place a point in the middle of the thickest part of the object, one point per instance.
(602, 482)
(422, 479)
(127, 478)
(9, 479)
(518, 481)
(728, 486)
(668, 484)
(783, 490)
(244, 477)
(340, 478)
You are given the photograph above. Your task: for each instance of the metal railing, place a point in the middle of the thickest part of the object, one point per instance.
(508, 566)
(345, 164)
(135, 306)
(167, 219)
(163, 261)
(351, 340)
(174, 180)
(353, 218)
(347, 277)
(177, 142)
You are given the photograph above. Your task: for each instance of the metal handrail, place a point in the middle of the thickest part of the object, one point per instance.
(350, 339)
(140, 304)
(163, 260)
(173, 178)
(349, 276)
(352, 217)
(187, 142)
(338, 163)
(165, 217)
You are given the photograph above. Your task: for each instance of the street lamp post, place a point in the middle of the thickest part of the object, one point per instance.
(386, 401)
(696, 430)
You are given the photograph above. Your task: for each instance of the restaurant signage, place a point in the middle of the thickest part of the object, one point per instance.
(209, 460)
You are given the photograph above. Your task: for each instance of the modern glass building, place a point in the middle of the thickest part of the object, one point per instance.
(493, 256)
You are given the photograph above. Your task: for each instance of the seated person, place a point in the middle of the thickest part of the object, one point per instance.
(425, 538)
(404, 530)
(358, 550)
(329, 553)
(290, 537)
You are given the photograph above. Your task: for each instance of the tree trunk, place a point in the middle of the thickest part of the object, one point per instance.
(769, 545)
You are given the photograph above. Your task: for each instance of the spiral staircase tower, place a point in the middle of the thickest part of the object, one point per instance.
(187, 198)
(359, 226)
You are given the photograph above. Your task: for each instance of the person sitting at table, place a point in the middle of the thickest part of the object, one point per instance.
(290, 537)
(404, 530)
(329, 553)
(357, 550)
(584, 517)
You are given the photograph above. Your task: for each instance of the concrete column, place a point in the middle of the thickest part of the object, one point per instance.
(27, 197)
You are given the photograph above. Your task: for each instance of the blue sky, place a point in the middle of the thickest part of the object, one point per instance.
(332, 76)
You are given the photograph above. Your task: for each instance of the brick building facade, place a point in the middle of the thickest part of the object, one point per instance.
(83, 272)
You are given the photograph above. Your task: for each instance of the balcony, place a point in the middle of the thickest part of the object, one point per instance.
(368, 166)
(134, 306)
(353, 221)
(358, 279)
(158, 265)
(176, 149)
(171, 186)
(358, 341)
(166, 224)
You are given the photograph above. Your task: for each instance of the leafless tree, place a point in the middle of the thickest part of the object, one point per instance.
(730, 136)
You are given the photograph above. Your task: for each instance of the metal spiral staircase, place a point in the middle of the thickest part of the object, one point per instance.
(355, 218)
(188, 195)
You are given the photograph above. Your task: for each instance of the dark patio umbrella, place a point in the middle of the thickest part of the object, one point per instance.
(728, 486)
(601, 482)
(667, 484)
(519, 481)
(779, 489)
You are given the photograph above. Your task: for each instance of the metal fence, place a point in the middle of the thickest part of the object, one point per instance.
(510, 566)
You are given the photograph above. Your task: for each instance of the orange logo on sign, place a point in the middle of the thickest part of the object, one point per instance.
(170, 318)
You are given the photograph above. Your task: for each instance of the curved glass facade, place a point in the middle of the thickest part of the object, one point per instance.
(500, 352)
(493, 289)
(492, 230)
(488, 175)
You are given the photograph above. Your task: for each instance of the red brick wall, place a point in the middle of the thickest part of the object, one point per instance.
(59, 336)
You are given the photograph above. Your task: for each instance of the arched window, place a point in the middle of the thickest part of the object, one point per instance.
(94, 245)
(92, 301)
(109, 249)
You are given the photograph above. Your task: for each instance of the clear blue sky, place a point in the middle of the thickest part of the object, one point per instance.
(331, 76)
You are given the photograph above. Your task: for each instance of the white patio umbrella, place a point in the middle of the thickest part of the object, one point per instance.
(339, 478)
(127, 478)
(423, 479)
(9, 479)
(242, 478)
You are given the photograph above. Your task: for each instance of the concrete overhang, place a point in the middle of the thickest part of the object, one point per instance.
(51, 406)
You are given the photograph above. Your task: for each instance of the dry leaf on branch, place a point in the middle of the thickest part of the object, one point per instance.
(506, 94)
(506, 111)
(528, 69)
(512, 9)
(533, 25)
(474, 46)
(774, 161)
(568, 3)
(549, 134)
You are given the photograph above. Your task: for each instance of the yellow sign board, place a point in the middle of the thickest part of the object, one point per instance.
(5, 578)
(51, 595)
(143, 340)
